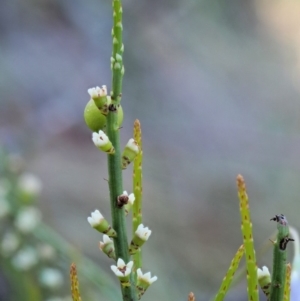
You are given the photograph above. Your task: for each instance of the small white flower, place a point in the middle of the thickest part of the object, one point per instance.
(122, 269)
(97, 91)
(131, 197)
(25, 259)
(106, 241)
(145, 277)
(263, 272)
(51, 278)
(4, 207)
(131, 144)
(9, 243)
(95, 218)
(143, 232)
(30, 184)
(100, 139)
(27, 219)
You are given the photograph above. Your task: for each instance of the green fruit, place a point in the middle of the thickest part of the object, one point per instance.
(95, 120)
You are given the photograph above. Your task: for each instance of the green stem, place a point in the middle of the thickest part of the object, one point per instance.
(246, 228)
(226, 283)
(114, 161)
(138, 190)
(279, 258)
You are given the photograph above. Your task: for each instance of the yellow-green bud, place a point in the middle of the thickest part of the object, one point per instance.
(130, 151)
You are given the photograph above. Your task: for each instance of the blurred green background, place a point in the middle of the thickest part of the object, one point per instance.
(215, 85)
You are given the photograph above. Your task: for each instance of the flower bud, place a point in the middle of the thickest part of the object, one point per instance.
(98, 222)
(143, 282)
(130, 151)
(264, 280)
(131, 199)
(141, 235)
(103, 143)
(107, 246)
(99, 96)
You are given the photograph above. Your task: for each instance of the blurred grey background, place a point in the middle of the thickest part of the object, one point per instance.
(215, 85)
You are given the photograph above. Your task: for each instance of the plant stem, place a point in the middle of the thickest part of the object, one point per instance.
(287, 287)
(279, 258)
(246, 228)
(226, 283)
(138, 190)
(114, 161)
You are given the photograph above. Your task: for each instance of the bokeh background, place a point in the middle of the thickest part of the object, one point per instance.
(215, 85)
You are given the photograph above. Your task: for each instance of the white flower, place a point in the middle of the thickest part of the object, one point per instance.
(131, 197)
(51, 278)
(106, 241)
(100, 139)
(264, 272)
(9, 243)
(4, 207)
(122, 269)
(95, 218)
(27, 219)
(30, 184)
(25, 259)
(145, 277)
(97, 91)
(143, 232)
(132, 145)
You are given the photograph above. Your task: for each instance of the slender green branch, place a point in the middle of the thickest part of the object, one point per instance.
(287, 287)
(117, 53)
(246, 227)
(279, 258)
(138, 190)
(114, 160)
(226, 283)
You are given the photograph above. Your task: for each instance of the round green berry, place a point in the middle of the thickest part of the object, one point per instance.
(95, 120)
(93, 117)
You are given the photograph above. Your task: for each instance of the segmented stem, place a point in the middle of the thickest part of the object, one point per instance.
(229, 275)
(279, 258)
(287, 286)
(74, 283)
(138, 190)
(117, 52)
(246, 227)
(114, 160)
